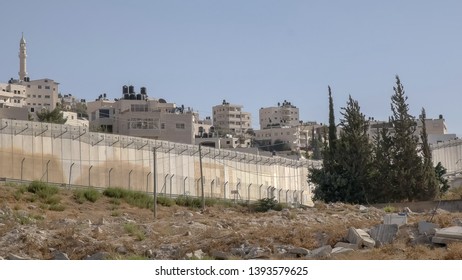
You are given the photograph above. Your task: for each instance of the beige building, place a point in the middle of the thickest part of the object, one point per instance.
(137, 115)
(12, 95)
(436, 129)
(230, 119)
(284, 114)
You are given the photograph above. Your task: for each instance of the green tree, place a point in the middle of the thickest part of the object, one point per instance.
(329, 180)
(407, 164)
(443, 185)
(54, 116)
(428, 185)
(382, 170)
(354, 153)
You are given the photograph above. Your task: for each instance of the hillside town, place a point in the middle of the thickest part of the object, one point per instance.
(133, 112)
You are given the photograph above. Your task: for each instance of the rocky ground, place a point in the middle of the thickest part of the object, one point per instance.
(107, 230)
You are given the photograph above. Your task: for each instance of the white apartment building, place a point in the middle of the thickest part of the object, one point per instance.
(284, 114)
(12, 95)
(12, 101)
(137, 115)
(230, 119)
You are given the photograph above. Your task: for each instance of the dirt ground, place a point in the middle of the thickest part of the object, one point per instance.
(106, 230)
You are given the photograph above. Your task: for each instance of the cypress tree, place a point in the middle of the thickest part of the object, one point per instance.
(407, 164)
(429, 184)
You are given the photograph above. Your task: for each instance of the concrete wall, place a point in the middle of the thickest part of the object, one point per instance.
(72, 155)
(449, 154)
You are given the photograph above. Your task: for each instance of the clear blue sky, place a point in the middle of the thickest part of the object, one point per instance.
(255, 53)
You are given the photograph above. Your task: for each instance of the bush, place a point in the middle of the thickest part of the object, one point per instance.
(42, 190)
(165, 201)
(188, 201)
(265, 204)
(90, 194)
(56, 207)
(133, 198)
(134, 230)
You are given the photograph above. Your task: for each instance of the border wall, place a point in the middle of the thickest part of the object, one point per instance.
(71, 155)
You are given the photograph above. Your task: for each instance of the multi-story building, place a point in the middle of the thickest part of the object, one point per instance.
(12, 101)
(12, 95)
(436, 129)
(137, 115)
(230, 119)
(284, 114)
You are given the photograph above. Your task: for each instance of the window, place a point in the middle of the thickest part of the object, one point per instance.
(39, 96)
(139, 107)
(47, 96)
(40, 87)
(28, 86)
(28, 95)
(32, 110)
(180, 126)
(47, 87)
(103, 113)
(34, 96)
(162, 126)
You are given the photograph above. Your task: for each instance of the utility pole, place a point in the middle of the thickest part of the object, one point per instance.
(202, 177)
(154, 163)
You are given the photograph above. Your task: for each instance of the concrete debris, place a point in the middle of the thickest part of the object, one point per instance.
(57, 255)
(321, 252)
(299, 251)
(448, 235)
(384, 234)
(340, 250)
(398, 219)
(407, 211)
(15, 257)
(97, 256)
(362, 209)
(427, 228)
(360, 238)
(346, 245)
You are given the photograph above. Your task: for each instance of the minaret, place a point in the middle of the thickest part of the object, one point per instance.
(22, 59)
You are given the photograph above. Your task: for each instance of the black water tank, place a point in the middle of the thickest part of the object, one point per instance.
(132, 96)
(131, 89)
(143, 90)
(138, 96)
(126, 96)
(124, 89)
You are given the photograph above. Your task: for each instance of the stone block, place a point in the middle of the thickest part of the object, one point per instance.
(346, 245)
(384, 234)
(448, 235)
(340, 250)
(360, 238)
(398, 219)
(321, 252)
(299, 251)
(427, 228)
(57, 255)
(450, 232)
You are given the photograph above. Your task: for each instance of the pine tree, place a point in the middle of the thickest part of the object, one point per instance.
(407, 164)
(429, 184)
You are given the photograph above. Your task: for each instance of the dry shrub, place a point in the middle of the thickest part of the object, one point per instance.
(454, 251)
